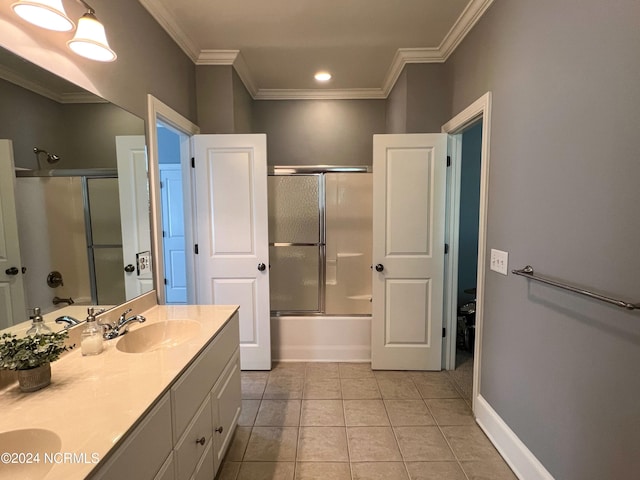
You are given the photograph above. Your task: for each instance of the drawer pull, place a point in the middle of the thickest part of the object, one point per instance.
(219, 429)
(201, 441)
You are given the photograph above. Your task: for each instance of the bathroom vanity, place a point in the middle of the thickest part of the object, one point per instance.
(160, 403)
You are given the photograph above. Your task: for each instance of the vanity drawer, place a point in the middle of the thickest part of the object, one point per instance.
(145, 450)
(192, 445)
(192, 387)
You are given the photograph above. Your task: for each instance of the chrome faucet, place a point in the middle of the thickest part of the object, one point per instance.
(122, 325)
(68, 321)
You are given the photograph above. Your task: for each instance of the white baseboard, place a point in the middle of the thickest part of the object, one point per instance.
(321, 339)
(523, 463)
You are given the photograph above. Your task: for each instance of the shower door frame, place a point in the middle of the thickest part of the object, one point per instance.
(320, 171)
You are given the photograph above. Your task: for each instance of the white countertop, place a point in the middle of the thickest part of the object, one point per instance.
(93, 401)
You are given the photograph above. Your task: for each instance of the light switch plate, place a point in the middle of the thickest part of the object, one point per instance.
(499, 261)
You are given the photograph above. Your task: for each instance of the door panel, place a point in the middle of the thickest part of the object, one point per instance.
(173, 233)
(408, 252)
(12, 302)
(133, 189)
(239, 291)
(232, 236)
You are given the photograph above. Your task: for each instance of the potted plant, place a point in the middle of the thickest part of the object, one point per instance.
(31, 357)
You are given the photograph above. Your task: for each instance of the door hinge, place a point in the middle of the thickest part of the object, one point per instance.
(165, 281)
(164, 234)
(448, 160)
(195, 249)
(444, 332)
(161, 184)
(193, 162)
(446, 248)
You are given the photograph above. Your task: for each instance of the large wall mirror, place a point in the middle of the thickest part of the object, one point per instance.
(73, 177)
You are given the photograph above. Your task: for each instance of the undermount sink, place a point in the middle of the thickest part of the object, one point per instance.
(29, 447)
(157, 336)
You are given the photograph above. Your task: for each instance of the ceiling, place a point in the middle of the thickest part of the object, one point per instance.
(276, 46)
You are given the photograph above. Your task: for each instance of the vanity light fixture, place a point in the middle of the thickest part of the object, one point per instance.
(322, 76)
(47, 14)
(90, 39)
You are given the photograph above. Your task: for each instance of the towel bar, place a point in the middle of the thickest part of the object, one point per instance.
(528, 272)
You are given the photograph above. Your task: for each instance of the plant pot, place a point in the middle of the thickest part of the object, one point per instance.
(34, 378)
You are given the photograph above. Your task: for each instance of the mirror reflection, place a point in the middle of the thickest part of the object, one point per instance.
(74, 218)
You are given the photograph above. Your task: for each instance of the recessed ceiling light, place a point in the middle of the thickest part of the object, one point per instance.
(322, 76)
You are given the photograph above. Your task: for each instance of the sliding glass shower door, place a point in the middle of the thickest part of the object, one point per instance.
(296, 243)
(320, 237)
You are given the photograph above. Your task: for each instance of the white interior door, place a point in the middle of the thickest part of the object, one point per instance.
(232, 236)
(173, 233)
(12, 303)
(133, 188)
(409, 173)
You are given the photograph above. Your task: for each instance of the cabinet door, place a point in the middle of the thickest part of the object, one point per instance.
(167, 472)
(226, 404)
(144, 452)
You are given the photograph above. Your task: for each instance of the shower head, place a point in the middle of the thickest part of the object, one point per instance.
(51, 157)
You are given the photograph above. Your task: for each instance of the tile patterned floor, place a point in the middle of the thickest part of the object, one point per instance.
(330, 421)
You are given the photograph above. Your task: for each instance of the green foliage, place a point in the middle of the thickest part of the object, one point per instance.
(31, 351)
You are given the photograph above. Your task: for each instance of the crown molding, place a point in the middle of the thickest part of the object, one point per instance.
(242, 69)
(217, 57)
(161, 15)
(76, 97)
(408, 55)
(465, 22)
(319, 94)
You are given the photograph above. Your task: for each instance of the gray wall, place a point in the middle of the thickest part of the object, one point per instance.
(214, 87)
(81, 134)
(313, 132)
(420, 101)
(242, 107)
(562, 371)
(148, 59)
(224, 104)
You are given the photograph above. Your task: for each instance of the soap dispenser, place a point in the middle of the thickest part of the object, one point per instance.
(38, 326)
(91, 342)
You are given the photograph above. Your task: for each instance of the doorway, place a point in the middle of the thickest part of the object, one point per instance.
(478, 113)
(169, 135)
(173, 220)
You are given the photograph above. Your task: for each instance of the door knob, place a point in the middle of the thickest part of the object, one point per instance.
(379, 267)
(220, 429)
(201, 441)
(262, 267)
(12, 271)
(129, 268)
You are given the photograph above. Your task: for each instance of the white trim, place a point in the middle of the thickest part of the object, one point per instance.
(452, 235)
(479, 108)
(521, 460)
(166, 20)
(404, 56)
(462, 26)
(217, 57)
(36, 87)
(156, 110)
(317, 94)
(242, 69)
